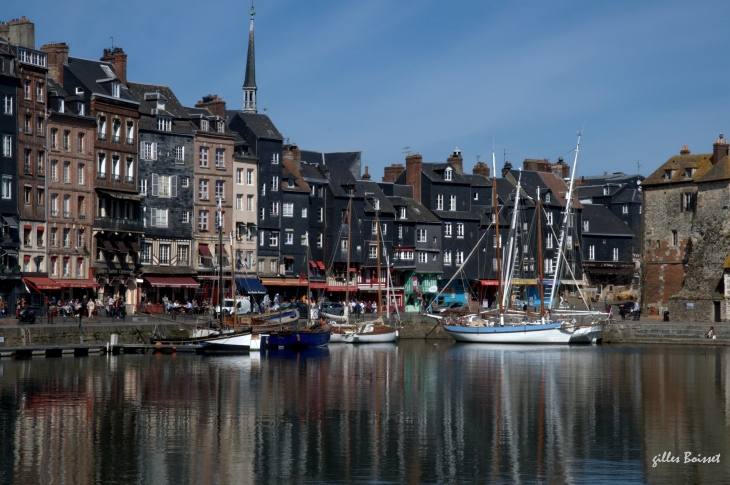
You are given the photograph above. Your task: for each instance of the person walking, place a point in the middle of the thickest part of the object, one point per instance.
(90, 308)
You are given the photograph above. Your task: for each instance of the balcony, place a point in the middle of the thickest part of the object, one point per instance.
(115, 177)
(116, 138)
(107, 223)
(54, 213)
(101, 175)
(130, 141)
(66, 214)
(129, 179)
(101, 136)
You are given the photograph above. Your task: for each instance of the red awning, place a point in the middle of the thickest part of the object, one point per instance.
(312, 264)
(353, 270)
(317, 285)
(71, 283)
(204, 251)
(217, 251)
(41, 228)
(489, 282)
(27, 226)
(171, 282)
(40, 283)
(341, 288)
(320, 265)
(26, 257)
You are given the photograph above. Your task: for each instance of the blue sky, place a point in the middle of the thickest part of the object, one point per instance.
(644, 78)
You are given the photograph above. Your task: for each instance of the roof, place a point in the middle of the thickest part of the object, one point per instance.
(628, 196)
(372, 191)
(173, 107)
(477, 180)
(261, 125)
(435, 173)
(559, 189)
(460, 215)
(418, 211)
(606, 223)
(94, 76)
(289, 167)
(702, 165)
(250, 80)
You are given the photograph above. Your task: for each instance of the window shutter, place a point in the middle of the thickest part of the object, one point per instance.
(173, 186)
(141, 150)
(154, 151)
(155, 184)
(154, 218)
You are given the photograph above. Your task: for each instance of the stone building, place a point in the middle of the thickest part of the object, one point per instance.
(686, 236)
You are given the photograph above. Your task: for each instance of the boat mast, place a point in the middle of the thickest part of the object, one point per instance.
(566, 215)
(347, 269)
(377, 238)
(220, 263)
(540, 284)
(495, 209)
(233, 285)
(513, 231)
(306, 265)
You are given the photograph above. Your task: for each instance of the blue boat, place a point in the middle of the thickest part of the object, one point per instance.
(318, 336)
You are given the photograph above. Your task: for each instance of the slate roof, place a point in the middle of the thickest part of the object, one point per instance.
(613, 178)
(94, 78)
(335, 162)
(559, 189)
(460, 215)
(418, 212)
(312, 173)
(261, 125)
(250, 80)
(172, 105)
(288, 167)
(476, 180)
(702, 165)
(372, 190)
(589, 191)
(628, 196)
(434, 172)
(604, 222)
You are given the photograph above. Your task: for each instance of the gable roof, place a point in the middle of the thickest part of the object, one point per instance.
(261, 125)
(288, 167)
(94, 76)
(559, 189)
(701, 163)
(372, 191)
(605, 222)
(173, 107)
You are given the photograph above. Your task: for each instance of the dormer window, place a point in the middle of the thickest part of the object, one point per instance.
(290, 183)
(220, 127)
(547, 197)
(586, 226)
(402, 212)
(204, 125)
(376, 204)
(115, 89)
(164, 124)
(688, 173)
(61, 106)
(606, 190)
(668, 174)
(447, 174)
(80, 108)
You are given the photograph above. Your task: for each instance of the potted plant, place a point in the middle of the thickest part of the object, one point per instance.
(16, 268)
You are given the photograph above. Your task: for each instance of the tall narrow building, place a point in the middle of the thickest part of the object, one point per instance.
(249, 83)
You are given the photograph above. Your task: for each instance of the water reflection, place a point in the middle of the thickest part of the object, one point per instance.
(408, 413)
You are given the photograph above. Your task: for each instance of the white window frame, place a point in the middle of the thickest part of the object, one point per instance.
(287, 209)
(452, 203)
(460, 230)
(439, 202)
(249, 176)
(421, 235)
(447, 229)
(615, 254)
(591, 253)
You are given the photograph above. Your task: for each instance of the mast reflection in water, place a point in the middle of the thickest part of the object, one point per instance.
(412, 413)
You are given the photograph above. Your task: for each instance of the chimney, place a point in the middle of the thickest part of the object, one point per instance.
(719, 149)
(560, 169)
(507, 167)
(117, 58)
(536, 165)
(19, 32)
(366, 175)
(482, 169)
(391, 174)
(414, 166)
(214, 104)
(684, 150)
(57, 58)
(292, 153)
(456, 161)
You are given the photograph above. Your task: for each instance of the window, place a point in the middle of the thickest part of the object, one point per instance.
(239, 176)
(219, 160)
(591, 252)
(54, 266)
(80, 174)
(549, 218)
(460, 229)
(67, 206)
(452, 205)
(66, 242)
(159, 217)
(689, 202)
(547, 197)
(272, 266)
(80, 238)
(422, 257)
(80, 205)
(39, 92)
(569, 242)
(7, 185)
(41, 196)
(80, 143)
(183, 255)
(549, 241)
(320, 214)
(101, 167)
(129, 171)
(8, 104)
(179, 154)
(219, 193)
(274, 238)
(374, 229)
(403, 213)
(249, 177)
(289, 236)
(439, 202)
(149, 150)
(66, 172)
(115, 169)
(668, 174)
(570, 220)
(319, 240)
(27, 128)
(625, 209)
(164, 253)
(249, 203)
(263, 189)
(239, 202)
(220, 127)
(372, 251)
(275, 159)
(26, 89)
(143, 187)
(203, 189)
(288, 209)
(185, 217)
(204, 125)
(80, 268)
(343, 244)
(26, 161)
(615, 254)
(54, 170)
(115, 89)
(130, 132)
(54, 236)
(101, 128)
(548, 266)
(447, 174)
(203, 156)
(459, 257)
(7, 146)
(41, 162)
(675, 238)
(262, 213)
(274, 183)
(476, 195)
(54, 205)
(274, 208)
(27, 197)
(586, 226)
(447, 257)
(185, 182)
(164, 124)
(304, 213)
(203, 220)
(146, 254)
(66, 269)
(688, 172)
(420, 235)
(400, 231)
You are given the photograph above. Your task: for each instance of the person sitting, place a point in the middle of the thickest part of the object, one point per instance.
(711, 333)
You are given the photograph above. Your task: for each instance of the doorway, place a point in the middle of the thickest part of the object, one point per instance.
(716, 304)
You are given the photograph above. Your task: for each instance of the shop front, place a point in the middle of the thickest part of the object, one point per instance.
(116, 282)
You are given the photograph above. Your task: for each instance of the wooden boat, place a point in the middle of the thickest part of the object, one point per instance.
(227, 343)
(372, 333)
(316, 336)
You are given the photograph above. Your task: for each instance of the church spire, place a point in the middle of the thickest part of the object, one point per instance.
(249, 83)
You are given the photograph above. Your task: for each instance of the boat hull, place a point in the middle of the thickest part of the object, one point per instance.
(299, 339)
(226, 344)
(375, 338)
(549, 333)
(587, 334)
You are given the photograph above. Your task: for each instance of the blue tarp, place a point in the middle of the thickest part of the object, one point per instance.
(251, 286)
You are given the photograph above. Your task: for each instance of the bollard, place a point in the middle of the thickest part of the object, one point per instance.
(115, 339)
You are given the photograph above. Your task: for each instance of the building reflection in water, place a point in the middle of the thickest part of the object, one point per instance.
(411, 413)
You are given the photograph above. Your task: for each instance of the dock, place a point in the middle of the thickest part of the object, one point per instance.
(52, 351)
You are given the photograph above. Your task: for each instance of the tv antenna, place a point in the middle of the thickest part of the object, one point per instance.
(406, 150)
(638, 166)
(505, 153)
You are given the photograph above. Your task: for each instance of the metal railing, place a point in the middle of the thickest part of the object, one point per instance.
(101, 175)
(115, 177)
(110, 224)
(130, 141)
(129, 179)
(116, 138)
(101, 136)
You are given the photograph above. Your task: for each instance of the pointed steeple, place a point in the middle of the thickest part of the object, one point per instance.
(249, 83)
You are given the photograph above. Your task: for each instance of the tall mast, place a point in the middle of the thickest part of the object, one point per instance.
(513, 234)
(377, 238)
(540, 284)
(220, 262)
(306, 265)
(347, 269)
(566, 215)
(495, 208)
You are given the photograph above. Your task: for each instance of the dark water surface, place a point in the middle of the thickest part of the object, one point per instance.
(411, 413)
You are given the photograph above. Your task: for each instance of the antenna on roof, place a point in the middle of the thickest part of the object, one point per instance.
(406, 150)
(505, 153)
(112, 38)
(478, 157)
(638, 166)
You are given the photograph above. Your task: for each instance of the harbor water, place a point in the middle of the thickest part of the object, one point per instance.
(416, 412)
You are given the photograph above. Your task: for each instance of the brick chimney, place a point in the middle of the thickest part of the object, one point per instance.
(482, 169)
(214, 104)
(19, 32)
(684, 150)
(507, 167)
(719, 149)
(391, 174)
(414, 166)
(117, 58)
(57, 58)
(293, 153)
(456, 161)
(560, 169)
(366, 175)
